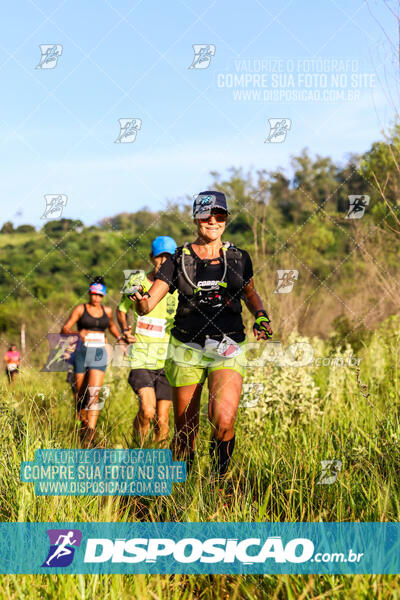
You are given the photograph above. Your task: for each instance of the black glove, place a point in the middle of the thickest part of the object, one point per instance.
(261, 321)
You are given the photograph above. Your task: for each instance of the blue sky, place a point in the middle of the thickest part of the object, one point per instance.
(131, 59)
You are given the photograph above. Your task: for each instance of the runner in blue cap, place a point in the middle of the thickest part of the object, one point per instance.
(149, 351)
(163, 244)
(208, 338)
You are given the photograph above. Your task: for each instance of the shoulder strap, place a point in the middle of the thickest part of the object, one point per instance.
(233, 252)
(179, 253)
(187, 264)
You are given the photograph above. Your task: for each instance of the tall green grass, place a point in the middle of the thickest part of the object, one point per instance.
(305, 415)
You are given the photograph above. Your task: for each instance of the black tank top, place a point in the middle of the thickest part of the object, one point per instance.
(86, 321)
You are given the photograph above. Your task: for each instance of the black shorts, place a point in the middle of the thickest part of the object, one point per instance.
(140, 378)
(10, 373)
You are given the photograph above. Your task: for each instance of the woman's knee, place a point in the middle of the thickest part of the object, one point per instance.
(222, 425)
(147, 413)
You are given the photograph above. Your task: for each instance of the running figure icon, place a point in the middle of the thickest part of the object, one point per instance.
(62, 549)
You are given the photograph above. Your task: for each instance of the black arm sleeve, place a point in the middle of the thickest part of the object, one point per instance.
(167, 273)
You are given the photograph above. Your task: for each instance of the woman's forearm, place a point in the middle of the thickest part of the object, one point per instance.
(254, 302)
(115, 331)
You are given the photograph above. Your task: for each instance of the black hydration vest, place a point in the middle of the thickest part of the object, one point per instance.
(234, 280)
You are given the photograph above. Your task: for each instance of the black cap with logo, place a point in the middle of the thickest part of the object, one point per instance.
(205, 202)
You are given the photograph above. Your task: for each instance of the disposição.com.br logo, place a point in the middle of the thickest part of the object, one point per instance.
(247, 551)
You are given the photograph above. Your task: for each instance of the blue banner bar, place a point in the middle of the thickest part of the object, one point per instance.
(230, 548)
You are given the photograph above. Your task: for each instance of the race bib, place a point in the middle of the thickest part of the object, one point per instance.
(151, 326)
(12, 366)
(95, 339)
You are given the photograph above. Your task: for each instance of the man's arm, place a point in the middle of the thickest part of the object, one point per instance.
(122, 321)
(122, 310)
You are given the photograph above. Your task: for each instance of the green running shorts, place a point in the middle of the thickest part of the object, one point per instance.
(187, 366)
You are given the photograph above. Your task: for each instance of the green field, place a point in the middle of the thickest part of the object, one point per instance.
(304, 415)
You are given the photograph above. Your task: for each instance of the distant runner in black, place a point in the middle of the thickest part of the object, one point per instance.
(90, 358)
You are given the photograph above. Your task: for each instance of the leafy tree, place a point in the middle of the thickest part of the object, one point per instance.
(8, 227)
(314, 182)
(381, 167)
(282, 197)
(25, 229)
(350, 181)
(61, 225)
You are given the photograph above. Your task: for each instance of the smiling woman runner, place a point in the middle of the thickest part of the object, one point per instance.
(208, 338)
(90, 357)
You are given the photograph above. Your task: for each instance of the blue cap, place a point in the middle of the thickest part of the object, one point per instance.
(163, 243)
